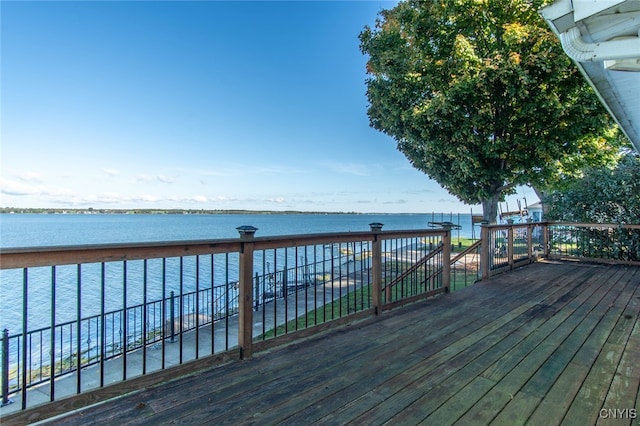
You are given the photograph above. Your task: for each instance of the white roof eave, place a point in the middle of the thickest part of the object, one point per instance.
(607, 30)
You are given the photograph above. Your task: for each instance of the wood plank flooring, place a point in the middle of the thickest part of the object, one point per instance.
(551, 343)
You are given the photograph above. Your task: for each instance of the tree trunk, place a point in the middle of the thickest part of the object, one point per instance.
(490, 208)
(543, 196)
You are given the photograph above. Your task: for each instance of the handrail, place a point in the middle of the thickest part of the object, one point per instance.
(466, 251)
(22, 257)
(12, 258)
(415, 266)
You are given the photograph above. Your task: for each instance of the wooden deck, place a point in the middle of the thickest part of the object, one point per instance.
(550, 343)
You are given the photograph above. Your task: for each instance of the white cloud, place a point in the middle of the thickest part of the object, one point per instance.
(155, 178)
(144, 178)
(11, 187)
(147, 198)
(277, 200)
(111, 172)
(165, 179)
(29, 176)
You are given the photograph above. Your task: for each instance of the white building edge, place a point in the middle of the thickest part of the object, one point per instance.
(603, 38)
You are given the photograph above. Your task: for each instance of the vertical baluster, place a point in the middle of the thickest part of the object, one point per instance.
(226, 302)
(180, 307)
(52, 343)
(25, 303)
(101, 340)
(275, 293)
(315, 284)
(164, 313)
(124, 321)
(265, 274)
(213, 306)
(285, 290)
(339, 280)
(197, 313)
(79, 330)
(5, 368)
(145, 317)
(355, 276)
(305, 283)
(324, 283)
(296, 282)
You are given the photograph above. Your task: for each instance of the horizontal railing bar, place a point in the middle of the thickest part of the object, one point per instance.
(596, 225)
(602, 260)
(466, 251)
(572, 224)
(27, 257)
(412, 299)
(267, 243)
(262, 243)
(30, 257)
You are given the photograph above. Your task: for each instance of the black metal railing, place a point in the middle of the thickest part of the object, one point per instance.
(137, 308)
(617, 243)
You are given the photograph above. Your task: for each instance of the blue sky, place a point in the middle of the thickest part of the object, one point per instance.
(198, 105)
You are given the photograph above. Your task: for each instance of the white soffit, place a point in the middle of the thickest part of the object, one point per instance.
(585, 8)
(603, 38)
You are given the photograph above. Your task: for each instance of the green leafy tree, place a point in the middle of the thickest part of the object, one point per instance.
(479, 95)
(596, 152)
(602, 195)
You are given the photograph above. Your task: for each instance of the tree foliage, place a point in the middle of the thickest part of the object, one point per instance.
(602, 195)
(479, 95)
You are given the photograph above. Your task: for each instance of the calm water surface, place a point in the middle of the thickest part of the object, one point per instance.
(39, 230)
(35, 230)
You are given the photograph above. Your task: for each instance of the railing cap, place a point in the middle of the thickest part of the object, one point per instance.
(246, 231)
(376, 226)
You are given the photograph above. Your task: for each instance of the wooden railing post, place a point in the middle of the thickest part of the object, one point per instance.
(376, 268)
(484, 251)
(245, 292)
(446, 258)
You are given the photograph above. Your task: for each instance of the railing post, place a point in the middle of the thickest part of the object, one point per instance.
(484, 252)
(245, 293)
(376, 268)
(5, 368)
(446, 258)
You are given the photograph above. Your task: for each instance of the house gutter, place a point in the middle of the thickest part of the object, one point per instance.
(578, 50)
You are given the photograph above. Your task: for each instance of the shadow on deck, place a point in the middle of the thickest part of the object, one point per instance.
(546, 344)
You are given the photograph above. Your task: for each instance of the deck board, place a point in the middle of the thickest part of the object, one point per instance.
(546, 343)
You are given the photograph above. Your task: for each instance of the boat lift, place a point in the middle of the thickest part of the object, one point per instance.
(507, 215)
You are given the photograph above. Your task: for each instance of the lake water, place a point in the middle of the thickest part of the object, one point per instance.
(37, 230)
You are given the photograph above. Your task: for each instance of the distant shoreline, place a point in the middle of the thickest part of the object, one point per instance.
(90, 210)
